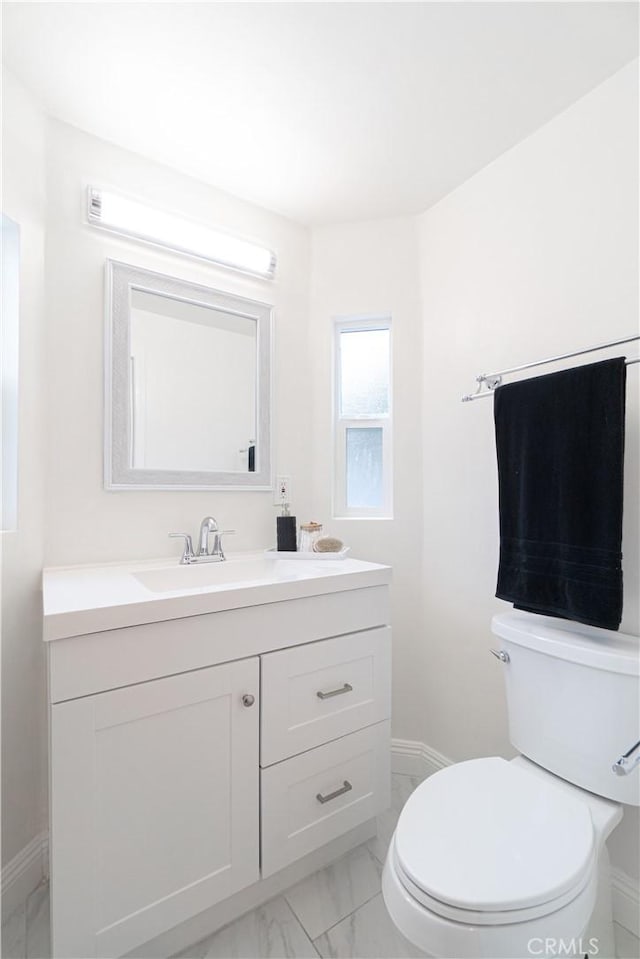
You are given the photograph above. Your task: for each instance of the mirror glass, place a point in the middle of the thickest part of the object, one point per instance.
(188, 384)
(175, 344)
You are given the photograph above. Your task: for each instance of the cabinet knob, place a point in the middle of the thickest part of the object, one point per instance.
(248, 699)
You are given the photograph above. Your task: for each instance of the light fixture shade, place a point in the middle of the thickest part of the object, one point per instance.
(119, 214)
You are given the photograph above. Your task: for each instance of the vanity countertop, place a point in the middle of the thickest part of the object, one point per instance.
(89, 599)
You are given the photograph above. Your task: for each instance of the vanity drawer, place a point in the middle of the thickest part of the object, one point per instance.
(311, 799)
(318, 692)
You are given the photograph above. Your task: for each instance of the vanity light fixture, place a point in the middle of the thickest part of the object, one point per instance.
(119, 214)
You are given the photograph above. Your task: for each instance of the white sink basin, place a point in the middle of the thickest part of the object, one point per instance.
(87, 599)
(209, 575)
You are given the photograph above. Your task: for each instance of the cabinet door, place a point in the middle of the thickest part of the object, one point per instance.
(154, 806)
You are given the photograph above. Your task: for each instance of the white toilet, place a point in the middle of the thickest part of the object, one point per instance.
(492, 858)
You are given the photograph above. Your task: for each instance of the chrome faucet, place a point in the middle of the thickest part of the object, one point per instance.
(204, 555)
(208, 525)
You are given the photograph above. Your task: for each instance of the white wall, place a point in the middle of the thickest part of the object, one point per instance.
(535, 255)
(23, 683)
(360, 269)
(85, 523)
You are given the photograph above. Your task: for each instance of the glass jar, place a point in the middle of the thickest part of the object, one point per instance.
(309, 533)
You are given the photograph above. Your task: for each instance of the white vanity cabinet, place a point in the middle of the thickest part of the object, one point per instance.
(194, 758)
(154, 791)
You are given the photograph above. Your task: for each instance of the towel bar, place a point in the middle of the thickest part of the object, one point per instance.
(493, 380)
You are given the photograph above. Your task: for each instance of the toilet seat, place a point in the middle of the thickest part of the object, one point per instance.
(489, 843)
(480, 918)
(435, 935)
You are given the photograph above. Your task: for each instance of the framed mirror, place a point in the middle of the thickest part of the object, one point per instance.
(187, 385)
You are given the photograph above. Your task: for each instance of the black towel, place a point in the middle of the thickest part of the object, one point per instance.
(560, 445)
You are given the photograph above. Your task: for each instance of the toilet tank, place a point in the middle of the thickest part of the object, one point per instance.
(573, 699)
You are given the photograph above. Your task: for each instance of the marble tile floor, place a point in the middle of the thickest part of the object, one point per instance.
(26, 932)
(337, 912)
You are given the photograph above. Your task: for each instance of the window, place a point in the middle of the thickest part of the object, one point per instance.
(9, 277)
(362, 418)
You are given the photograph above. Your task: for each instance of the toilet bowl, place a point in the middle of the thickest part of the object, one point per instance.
(494, 858)
(507, 859)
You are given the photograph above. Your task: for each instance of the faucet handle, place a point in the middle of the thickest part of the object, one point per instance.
(187, 553)
(217, 542)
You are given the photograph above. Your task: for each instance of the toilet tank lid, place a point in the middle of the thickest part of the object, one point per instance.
(588, 645)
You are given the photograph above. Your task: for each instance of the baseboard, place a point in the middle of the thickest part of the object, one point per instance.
(626, 901)
(24, 873)
(412, 758)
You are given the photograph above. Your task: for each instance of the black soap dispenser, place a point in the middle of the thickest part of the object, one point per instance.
(286, 531)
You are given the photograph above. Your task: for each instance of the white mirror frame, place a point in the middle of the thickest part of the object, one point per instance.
(118, 473)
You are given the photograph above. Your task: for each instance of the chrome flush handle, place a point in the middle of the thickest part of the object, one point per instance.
(501, 655)
(624, 765)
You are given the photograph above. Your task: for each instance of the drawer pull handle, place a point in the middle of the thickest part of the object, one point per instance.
(345, 788)
(347, 688)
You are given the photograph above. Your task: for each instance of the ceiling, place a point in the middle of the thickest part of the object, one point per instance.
(324, 112)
